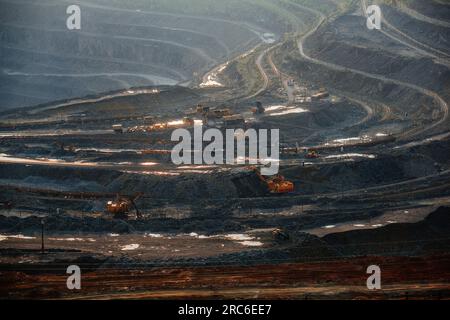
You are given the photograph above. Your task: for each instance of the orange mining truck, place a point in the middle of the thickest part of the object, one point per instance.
(276, 184)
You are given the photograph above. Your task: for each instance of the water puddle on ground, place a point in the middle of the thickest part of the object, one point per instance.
(278, 110)
(351, 155)
(130, 247)
(154, 173)
(389, 217)
(252, 243)
(154, 235)
(239, 238)
(106, 150)
(60, 162)
(4, 237)
(53, 133)
(73, 239)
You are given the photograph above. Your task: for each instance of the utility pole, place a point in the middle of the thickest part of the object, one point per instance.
(42, 236)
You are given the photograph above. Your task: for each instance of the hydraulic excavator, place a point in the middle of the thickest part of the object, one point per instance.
(276, 184)
(120, 207)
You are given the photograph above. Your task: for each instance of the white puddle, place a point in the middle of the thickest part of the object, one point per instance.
(148, 164)
(254, 160)
(238, 237)
(72, 239)
(274, 108)
(8, 159)
(353, 139)
(53, 133)
(283, 110)
(15, 236)
(197, 167)
(154, 235)
(289, 111)
(175, 123)
(351, 155)
(196, 171)
(211, 82)
(252, 243)
(205, 237)
(130, 247)
(114, 235)
(153, 173)
(59, 162)
(106, 150)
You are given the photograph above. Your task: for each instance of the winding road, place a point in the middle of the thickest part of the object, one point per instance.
(438, 55)
(441, 102)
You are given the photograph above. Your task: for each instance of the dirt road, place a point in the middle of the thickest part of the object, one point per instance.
(441, 102)
(343, 279)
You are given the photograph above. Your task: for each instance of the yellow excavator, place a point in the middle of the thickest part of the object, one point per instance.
(121, 207)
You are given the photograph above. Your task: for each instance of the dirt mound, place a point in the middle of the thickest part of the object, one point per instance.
(429, 236)
(67, 177)
(209, 221)
(361, 174)
(190, 187)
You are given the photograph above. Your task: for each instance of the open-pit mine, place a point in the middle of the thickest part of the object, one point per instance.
(87, 171)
